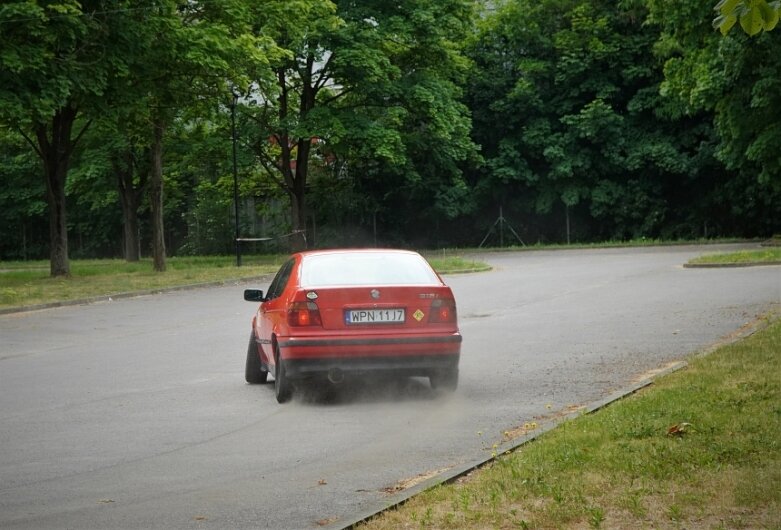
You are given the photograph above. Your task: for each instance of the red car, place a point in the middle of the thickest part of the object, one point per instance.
(331, 313)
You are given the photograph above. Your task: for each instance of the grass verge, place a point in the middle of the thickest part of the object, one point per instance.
(28, 283)
(698, 449)
(743, 257)
(639, 242)
(456, 264)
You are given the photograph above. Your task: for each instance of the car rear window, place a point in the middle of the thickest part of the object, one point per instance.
(366, 268)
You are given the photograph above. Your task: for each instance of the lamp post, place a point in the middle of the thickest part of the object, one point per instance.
(235, 177)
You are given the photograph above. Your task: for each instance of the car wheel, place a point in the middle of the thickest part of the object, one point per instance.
(253, 370)
(444, 380)
(282, 385)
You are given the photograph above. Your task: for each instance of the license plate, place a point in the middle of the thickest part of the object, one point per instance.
(374, 316)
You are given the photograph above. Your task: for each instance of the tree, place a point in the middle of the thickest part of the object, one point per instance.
(63, 63)
(566, 108)
(411, 143)
(356, 77)
(189, 54)
(737, 80)
(127, 163)
(22, 200)
(57, 60)
(286, 133)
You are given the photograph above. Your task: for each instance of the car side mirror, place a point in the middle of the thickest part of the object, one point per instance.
(254, 295)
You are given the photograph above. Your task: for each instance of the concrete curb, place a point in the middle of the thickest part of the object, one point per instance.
(459, 471)
(728, 265)
(133, 294)
(467, 271)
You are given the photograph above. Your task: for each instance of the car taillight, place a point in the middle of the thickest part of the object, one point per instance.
(443, 310)
(303, 314)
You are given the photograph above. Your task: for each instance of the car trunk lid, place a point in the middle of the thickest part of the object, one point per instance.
(384, 308)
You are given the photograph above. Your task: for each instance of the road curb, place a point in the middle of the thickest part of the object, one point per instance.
(467, 271)
(459, 471)
(728, 265)
(133, 294)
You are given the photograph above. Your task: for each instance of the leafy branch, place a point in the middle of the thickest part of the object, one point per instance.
(755, 16)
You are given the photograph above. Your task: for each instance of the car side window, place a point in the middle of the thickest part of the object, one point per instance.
(280, 280)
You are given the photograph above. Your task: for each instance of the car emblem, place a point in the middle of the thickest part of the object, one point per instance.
(375, 294)
(311, 295)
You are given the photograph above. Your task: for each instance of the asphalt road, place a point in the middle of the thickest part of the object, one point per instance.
(135, 414)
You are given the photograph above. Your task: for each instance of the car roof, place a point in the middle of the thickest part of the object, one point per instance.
(355, 251)
(367, 266)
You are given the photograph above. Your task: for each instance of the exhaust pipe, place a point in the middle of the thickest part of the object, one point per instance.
(335, 375)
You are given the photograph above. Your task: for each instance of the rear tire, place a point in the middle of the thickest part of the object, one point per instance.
(282, 386)
(253, 370)
(444, 380)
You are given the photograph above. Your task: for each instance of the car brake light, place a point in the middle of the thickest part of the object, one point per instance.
(304, 314)
(443, 310)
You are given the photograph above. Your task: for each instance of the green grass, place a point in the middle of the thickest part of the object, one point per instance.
(639, 242)
(620, 467)
(764, 255)
(28, 283)
(456, 264)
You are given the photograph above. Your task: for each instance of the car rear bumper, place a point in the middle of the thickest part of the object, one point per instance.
(407, 366)
(417, 355)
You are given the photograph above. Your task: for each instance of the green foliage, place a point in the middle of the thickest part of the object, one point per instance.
(404, 123)
(754, 15)
(93, 222)
(737, 80)
(567, 109)
(376, 87)
(43, 57)
(23, 225)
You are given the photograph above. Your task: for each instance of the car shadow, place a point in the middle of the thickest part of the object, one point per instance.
(365, 390)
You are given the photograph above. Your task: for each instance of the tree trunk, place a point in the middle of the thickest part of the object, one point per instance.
(298, 200)
(297, 209)
(130, 200)
(156, 197)
(58, 228)
(307, 103)
(295, 172)
(55, 153)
